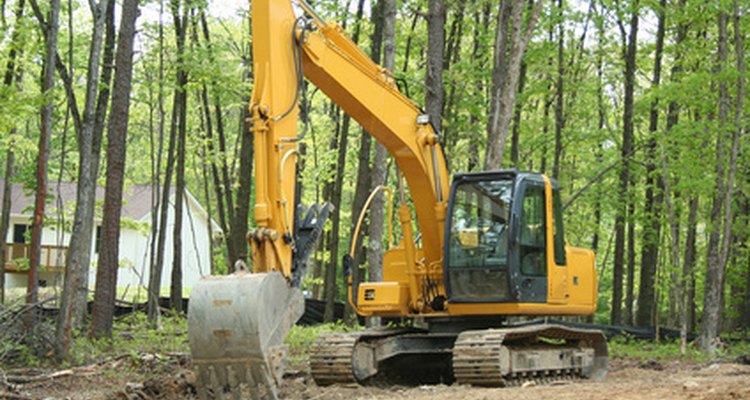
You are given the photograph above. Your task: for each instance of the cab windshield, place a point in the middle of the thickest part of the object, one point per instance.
(478, 239)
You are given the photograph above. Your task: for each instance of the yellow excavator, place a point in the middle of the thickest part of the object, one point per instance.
(489, 246)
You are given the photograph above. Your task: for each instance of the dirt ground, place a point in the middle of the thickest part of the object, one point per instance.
(169, 377)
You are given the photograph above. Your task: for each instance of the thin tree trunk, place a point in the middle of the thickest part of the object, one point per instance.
(652, 223)
(629, 53)
(48, 84)
(559, 100)
(336, 200)
(156, 188)
(434, 93)
(181, 26)
(378, 171)
(517, 119)
(715, 262)
(241, 213)
(155, 274)
(628, 317)
(106, 272)
(12, 76)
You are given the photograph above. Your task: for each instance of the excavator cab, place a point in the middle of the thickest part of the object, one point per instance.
(504, 235)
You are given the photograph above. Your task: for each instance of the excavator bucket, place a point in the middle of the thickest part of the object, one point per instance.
(236, 328)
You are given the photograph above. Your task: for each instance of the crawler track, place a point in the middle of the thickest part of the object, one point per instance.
(331, 359)
(511, 356)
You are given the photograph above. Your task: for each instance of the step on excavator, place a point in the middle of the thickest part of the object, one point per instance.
(485, 247)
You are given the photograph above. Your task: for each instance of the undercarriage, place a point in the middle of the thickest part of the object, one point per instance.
(505, 356)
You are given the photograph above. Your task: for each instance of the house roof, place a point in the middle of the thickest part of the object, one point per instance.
(136, 198)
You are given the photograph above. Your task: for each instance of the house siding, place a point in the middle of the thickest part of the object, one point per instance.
(135, 245)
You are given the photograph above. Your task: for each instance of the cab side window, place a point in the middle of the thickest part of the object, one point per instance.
(532, 229)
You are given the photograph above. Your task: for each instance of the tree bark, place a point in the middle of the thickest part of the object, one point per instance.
(336, 195)
(106, 272)
(559, 90)
(434, 93)
(379, 166)
(12, 76)
(505, 75)
(48, 84)
(629, 53)
(241, 213)
(715, 262)
(652, 222)
(181, 26)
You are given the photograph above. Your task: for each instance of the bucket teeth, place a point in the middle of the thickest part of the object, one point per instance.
(223, 381)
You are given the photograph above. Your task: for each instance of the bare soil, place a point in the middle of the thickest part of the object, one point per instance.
(169, 377)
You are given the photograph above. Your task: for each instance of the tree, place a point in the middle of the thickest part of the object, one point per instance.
(434, 93)
(106, 273)
(48, 84)
(89, 138)
(379, 163)
(629, 51)
(715, 263)
(180, 23)
(511, 41)
(12, 76)
(652, 225)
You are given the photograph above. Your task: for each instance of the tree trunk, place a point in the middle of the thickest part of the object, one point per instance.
(181, 26)
(452, 56)
(106, 272)
(652, 222)
(434, 93)
(506, 70)
(559, 100)
(48, 84)
(364, 178)
(715, 264)
(210, 147)
(155, 274)
(12, 76)
(629, 53)
(241, 213)
(517, 119)
(349, 316)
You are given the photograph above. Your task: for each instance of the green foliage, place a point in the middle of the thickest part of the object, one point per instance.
(131, 336)
(301, 339)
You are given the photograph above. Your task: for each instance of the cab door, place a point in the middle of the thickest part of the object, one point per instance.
(557, 270)
(531, 241)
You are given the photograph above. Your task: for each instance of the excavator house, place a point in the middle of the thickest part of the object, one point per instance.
(484, 247)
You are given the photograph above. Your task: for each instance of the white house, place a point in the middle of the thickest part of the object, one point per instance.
(135, 237)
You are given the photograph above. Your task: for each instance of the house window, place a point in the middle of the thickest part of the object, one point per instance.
(19, 233)
(98, 239)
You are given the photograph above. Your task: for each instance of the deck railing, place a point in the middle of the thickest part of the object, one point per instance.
(17, 257)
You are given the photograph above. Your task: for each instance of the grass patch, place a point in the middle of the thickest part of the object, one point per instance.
(622, 347)
(301, 339)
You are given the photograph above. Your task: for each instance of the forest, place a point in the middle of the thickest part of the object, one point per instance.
(636, 108)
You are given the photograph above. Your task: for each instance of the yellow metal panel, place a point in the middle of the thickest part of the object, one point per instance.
(383, 298)
(518, 309)
(582, 276)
